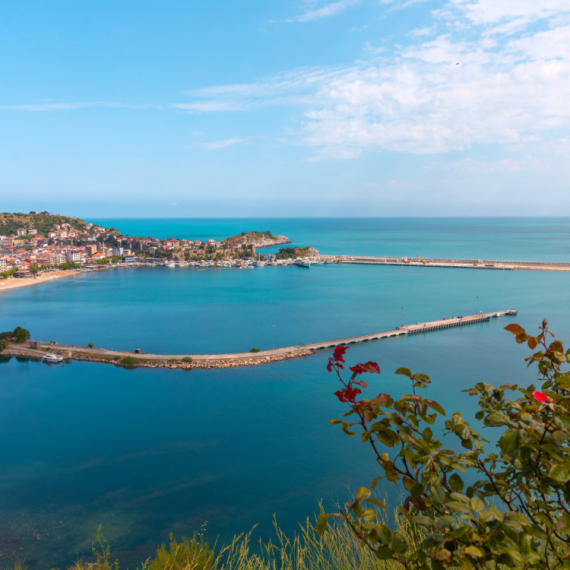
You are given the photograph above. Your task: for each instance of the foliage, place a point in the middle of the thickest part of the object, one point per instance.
(21, 334)
(173, 360)
(90, 345)
(294, 252)
(129, 362)
(3, 344)
(255, 350)
(336, 549)
(10, 223)
(479, 509)
(187, 359)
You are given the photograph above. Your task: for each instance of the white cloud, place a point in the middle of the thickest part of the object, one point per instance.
(482, 85)
(215, 145)
(331, 9)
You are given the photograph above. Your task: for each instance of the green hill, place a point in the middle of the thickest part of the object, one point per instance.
(43, 222)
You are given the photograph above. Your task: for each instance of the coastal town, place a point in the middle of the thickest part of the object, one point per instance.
(29, 251)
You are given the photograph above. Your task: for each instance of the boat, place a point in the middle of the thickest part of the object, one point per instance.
(170, 264)
(52, 358)
(302, 263)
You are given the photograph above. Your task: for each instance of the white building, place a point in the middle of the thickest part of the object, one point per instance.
(74, 256)
(117, 251)
(2, 264)
(22, 231)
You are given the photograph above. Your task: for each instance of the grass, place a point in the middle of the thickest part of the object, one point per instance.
(337, 549)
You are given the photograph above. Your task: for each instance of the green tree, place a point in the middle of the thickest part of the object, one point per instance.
(21, 334)
(508, 507)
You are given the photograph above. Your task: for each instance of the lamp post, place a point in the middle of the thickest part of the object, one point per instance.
(402, 316)
(273, 337)
(478, 304)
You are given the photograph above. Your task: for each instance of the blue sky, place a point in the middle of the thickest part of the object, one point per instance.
(300, 108)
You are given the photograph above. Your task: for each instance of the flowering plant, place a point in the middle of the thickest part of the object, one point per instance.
(475, 508)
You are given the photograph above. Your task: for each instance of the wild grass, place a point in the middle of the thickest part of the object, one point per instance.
(337, 549)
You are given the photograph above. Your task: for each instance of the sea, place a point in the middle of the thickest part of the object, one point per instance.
(144, 453)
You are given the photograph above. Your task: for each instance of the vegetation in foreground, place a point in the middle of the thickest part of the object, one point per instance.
(19, 334)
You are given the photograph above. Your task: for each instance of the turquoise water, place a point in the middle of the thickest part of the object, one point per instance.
(147, 452)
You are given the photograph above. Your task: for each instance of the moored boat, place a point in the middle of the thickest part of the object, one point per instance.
(302, 263)
(52, 358)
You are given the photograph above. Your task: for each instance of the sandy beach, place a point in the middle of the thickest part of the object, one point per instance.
(15, 283)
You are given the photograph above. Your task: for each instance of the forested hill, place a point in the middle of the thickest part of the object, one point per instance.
(43, 222)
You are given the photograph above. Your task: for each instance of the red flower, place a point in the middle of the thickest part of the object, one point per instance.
(339, 353)
(542, 397)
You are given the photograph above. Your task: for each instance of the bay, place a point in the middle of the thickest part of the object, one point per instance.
(147, 452)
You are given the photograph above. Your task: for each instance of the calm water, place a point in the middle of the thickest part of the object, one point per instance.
(147, 452)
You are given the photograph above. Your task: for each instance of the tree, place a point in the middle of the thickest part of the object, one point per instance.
(21, 334)
(513, 507)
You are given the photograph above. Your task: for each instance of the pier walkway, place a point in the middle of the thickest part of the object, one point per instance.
(39, 349)
(444, 262)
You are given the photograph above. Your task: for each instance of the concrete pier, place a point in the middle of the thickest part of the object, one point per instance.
(444, 262)
(240, 358)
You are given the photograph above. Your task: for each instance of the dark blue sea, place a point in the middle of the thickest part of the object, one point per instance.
(148, 452)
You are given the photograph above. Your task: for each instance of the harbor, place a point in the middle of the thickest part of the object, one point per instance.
(136, 359)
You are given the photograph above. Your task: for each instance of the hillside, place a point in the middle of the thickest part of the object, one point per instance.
(258, 239)
(294, 252)
(43, 222)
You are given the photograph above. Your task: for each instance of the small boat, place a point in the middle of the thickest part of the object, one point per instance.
(170, 264)
(302, 263)
(52, 358)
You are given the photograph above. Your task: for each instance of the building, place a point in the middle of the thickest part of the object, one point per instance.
(117, 252)
(32, 231)
(129, 259)
(22, 231)
(2, 264)
(74, 256)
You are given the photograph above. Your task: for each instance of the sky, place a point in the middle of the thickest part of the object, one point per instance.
(250, 108)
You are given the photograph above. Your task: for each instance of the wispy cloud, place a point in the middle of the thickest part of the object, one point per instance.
(75, 105)
(215, 145)
(318, 13)
(475, 82)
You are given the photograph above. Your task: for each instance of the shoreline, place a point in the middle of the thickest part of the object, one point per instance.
(15, 283)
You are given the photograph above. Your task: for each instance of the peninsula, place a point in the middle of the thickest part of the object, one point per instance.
(40, 247)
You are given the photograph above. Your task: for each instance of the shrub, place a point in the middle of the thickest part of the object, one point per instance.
(512, 510)
(90, 345)
(173, 360)
(129, 362)
(255, 350)
(3, 344)
(21, 334)
(187, 359)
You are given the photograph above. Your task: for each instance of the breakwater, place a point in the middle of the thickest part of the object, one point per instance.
(38, 350)
(451, 262)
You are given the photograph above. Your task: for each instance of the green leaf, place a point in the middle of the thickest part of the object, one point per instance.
(458, 507)
(377, 502)
(321, 525)
(335, 422)
(474, 551)
(477, 505)
(437, 407)
(384, 533)
(510, 440)
(456, 483)
(560, 473)
(417, 490)
(369, 515)
(362, 493)
(383, 553)
(404, 372)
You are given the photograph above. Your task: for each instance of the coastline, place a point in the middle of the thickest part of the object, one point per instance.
(14, 283)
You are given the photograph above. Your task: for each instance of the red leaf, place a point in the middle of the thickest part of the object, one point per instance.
(542, 397)
(339, 353)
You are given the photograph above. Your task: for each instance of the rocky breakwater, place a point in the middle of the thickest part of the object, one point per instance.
(151, 361)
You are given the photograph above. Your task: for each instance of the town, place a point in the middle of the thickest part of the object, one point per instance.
(79, 245)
